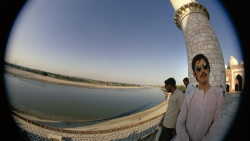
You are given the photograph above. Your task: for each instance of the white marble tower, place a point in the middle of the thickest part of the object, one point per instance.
(193, 19)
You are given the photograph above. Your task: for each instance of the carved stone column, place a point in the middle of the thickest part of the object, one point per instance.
(193, 19)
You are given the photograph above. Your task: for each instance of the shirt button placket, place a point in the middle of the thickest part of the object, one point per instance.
(202, 102)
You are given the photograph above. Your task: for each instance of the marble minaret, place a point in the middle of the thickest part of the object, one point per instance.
(192, 18)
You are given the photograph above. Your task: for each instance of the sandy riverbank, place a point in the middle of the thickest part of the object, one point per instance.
(46, 79)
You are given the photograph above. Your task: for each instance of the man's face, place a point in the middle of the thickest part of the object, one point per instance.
(203, 74)
(185, 83)
(167, 86)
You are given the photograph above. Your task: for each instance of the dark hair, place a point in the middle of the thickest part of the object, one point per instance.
(170, 81)
(186, 79)
(198, 57)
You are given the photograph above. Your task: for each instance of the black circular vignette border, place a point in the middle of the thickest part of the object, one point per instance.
(239, 14)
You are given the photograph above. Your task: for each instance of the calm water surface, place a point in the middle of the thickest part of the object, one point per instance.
(79, 102)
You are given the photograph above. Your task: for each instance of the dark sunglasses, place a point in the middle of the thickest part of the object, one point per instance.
(198, 68)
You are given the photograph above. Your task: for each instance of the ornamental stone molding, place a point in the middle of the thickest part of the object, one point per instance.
(192, 7)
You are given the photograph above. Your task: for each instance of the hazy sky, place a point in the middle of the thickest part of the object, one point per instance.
(131, 41)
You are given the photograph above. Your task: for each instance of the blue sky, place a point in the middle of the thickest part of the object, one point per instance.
(131, 41)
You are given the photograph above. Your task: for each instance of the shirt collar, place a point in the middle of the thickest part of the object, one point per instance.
(207, 90)
(189, 84)
(175, 91)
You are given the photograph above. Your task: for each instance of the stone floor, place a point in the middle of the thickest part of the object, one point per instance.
(229, 110)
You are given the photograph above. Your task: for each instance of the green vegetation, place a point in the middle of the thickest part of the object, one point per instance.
(69, 78)
(180, 87)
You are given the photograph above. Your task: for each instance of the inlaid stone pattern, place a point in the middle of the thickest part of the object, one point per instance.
(131, 134)
(200, 38)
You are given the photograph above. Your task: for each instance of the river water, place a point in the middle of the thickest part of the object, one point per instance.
(83, 103)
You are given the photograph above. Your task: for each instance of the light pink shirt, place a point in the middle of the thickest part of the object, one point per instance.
(199, 118)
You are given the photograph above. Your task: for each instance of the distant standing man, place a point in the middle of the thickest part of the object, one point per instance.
(189, 87)
(222, 90)
(174, 106)
(201, 110)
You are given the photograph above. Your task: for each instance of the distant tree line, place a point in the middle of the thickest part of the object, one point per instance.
(180, 87)
(69, 78)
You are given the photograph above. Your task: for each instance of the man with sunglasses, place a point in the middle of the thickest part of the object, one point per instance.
(174, 106)
(201, 110)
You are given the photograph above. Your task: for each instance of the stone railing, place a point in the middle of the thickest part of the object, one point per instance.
(134, 132)
(86, 132)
